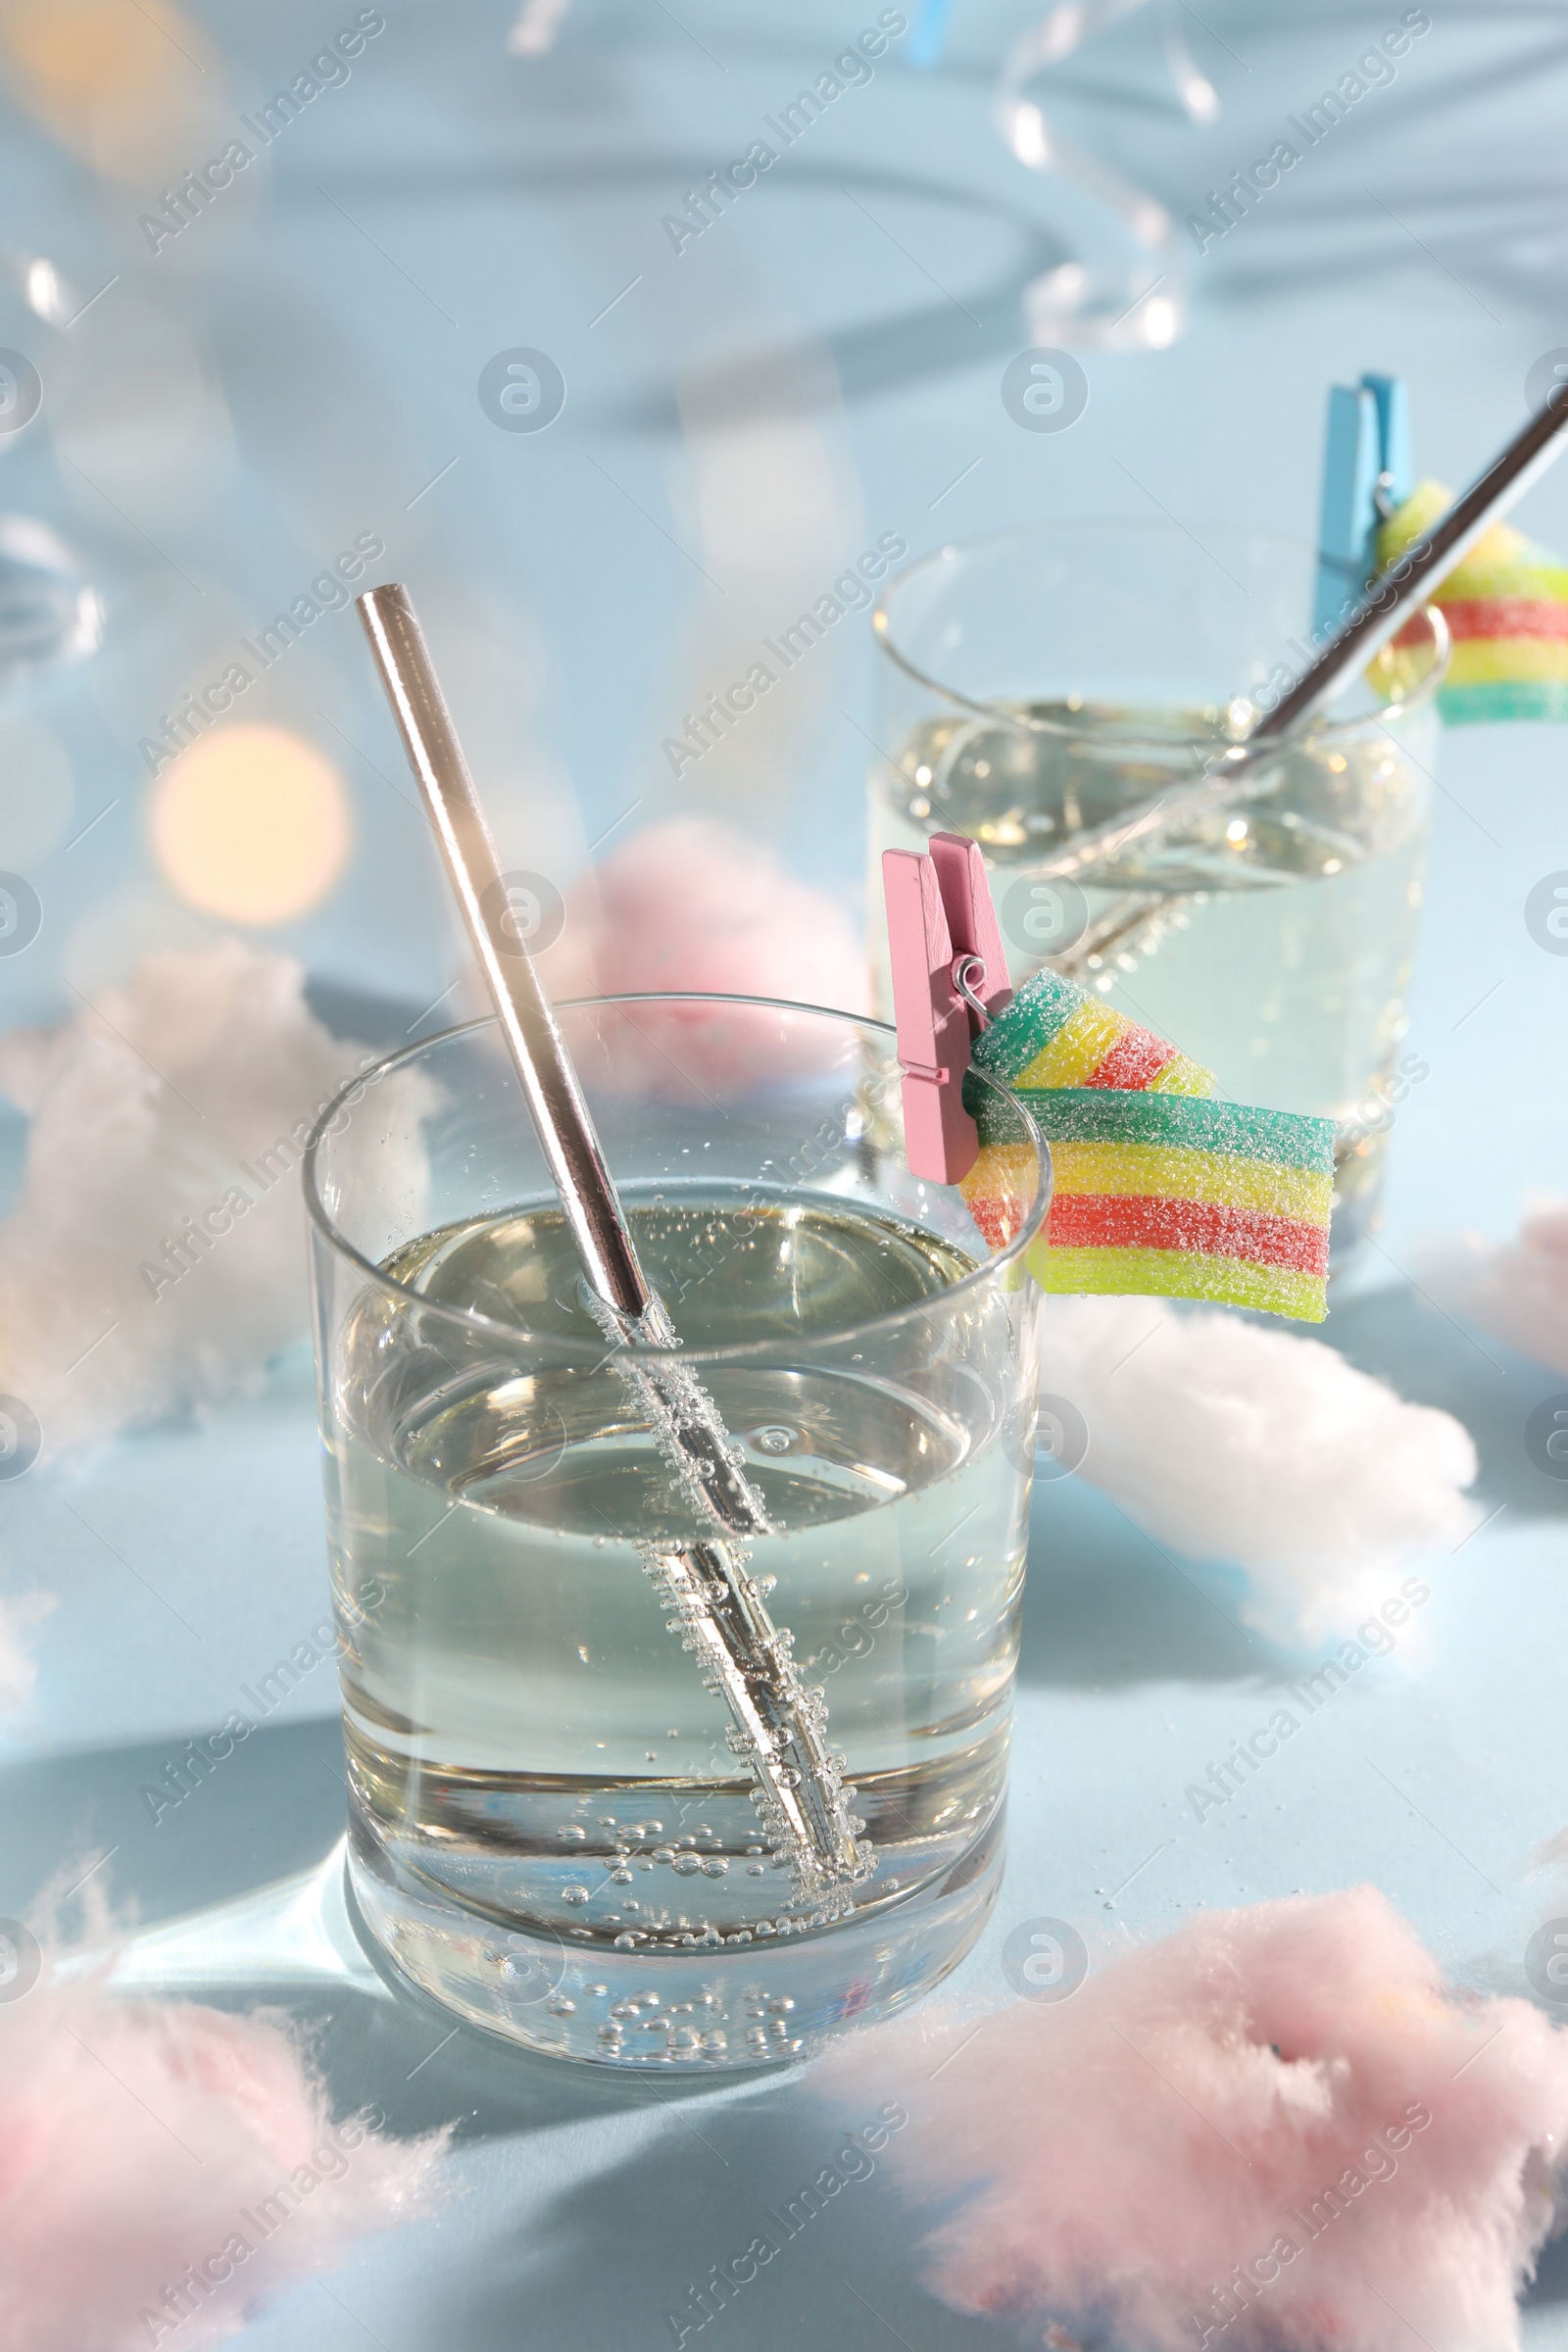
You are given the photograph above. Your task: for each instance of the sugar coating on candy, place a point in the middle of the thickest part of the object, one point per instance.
(1506, 607)
(1211, 1229)
(1281, 1138)
(1056, 1034)
(1175, 1195)
(1179, 1274)
(1173, 1172)
(1279, 2127)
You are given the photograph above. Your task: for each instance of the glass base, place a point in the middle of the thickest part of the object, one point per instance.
(702, 2012)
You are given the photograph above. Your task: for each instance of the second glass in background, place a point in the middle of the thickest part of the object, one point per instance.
(1041, 681)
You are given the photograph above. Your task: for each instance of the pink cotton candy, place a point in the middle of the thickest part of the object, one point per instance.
(20, 1612)
(1518, 1291)
(689, 906)
(1276, 2128)
(165, 2169)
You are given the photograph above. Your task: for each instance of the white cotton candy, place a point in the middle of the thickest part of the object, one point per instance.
(1228, 1441)
(175, 1114)
(1519, 1293)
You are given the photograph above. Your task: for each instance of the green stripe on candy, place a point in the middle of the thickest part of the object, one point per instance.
(1194, 1122)
(1040, 1011)
(1497, 699)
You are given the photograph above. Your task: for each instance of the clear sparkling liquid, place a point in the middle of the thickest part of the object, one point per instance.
(527, 1737)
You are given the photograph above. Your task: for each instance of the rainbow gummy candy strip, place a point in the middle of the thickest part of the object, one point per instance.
(1157, 1191)
(1506, 607)
(1055, 1032)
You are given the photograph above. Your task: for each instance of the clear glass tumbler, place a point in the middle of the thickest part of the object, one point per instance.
(549, 1832)
(1043, 680)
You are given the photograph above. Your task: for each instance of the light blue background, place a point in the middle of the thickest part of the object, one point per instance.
(492, 202)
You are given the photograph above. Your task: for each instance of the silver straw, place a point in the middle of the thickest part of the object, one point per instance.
(778, 1727)
(1233, 775)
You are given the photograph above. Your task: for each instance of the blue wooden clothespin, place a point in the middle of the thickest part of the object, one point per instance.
(1366, 474)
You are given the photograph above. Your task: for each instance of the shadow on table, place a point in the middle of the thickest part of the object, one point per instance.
(232, 1895)
(173, 1836)
(764, 2183)
(1551, 2281)
(1108, 1606)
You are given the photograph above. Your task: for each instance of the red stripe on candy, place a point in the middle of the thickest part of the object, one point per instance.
(1505, 616)
(997, 1220)
(1133, 1062)
(1109, 1221)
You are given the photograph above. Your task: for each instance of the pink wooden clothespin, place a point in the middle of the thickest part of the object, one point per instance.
(950, 975)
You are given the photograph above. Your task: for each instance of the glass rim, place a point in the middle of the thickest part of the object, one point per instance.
(1318, 731)
(564, 1345)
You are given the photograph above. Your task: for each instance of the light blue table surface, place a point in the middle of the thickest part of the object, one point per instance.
(452, 201)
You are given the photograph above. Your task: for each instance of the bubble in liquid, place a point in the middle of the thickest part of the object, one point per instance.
(621, 1878)
(716, 1870)
(575, 1895)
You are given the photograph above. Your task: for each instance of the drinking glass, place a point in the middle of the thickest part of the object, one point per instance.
(548, 1830)
(1041, 681)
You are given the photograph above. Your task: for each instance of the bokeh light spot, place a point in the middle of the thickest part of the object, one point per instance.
(251, 824)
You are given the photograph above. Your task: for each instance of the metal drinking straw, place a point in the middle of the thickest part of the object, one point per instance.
(778, 1727)
(1234, 775)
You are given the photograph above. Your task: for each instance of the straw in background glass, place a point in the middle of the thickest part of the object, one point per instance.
(1239, 771)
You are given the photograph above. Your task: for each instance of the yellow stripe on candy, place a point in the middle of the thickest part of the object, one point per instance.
(1003, 1172)
(1078, 1047)
(1484, 660)
(1178, 1274)
(1158, 1174)
(1502, 563)
(1181, 1077)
